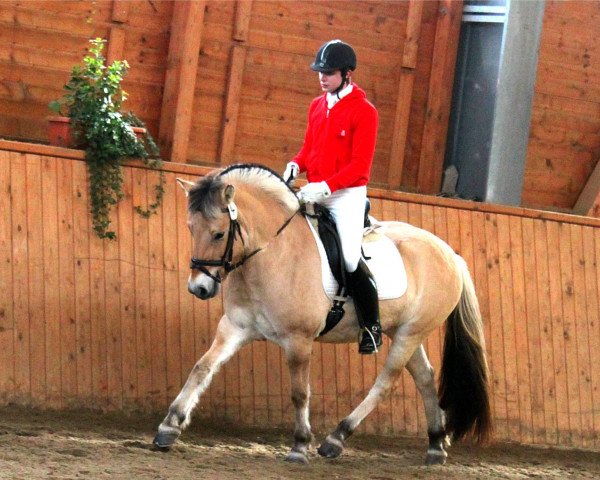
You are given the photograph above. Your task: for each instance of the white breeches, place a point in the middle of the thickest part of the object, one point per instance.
(347, 207)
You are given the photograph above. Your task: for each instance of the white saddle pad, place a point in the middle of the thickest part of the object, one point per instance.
(385, 264)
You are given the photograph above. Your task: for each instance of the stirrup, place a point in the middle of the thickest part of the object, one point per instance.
(375, 342)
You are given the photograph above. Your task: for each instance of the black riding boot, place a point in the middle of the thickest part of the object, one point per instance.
(364, 292)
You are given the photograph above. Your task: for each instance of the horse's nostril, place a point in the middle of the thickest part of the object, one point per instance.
(202, 292)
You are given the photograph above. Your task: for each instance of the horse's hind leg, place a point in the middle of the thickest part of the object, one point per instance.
(400, 351)
(227, 342)
(423, 375)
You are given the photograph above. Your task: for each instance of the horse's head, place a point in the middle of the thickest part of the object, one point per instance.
(212, 221)
(220, 244)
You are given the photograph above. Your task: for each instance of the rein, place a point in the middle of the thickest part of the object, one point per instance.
(226, 261)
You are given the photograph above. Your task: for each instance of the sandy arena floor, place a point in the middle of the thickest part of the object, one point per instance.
(75, 445)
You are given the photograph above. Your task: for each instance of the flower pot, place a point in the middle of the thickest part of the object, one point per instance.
(59, 132)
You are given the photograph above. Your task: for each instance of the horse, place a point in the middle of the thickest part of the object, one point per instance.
(262, 251)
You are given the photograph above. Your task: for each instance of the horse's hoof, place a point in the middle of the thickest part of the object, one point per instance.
(436, 458)
(165, 438)
(297, 457)
(331, 448)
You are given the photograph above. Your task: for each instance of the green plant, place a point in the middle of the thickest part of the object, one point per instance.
(93, 102)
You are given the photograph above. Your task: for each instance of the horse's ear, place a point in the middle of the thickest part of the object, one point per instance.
(228, 194)
(185, 185)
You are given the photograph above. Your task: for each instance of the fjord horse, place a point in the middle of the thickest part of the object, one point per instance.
(264, 254)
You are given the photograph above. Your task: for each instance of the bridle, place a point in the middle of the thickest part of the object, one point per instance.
(226, 261)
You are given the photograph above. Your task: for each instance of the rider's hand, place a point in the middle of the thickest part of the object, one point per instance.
(291, 172)
(314, 192)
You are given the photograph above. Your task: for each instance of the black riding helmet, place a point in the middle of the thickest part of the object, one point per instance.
(335, 55)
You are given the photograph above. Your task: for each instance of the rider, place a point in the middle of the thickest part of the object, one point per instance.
(337, 155)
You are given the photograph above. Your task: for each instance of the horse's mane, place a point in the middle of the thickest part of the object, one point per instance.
(204, 197)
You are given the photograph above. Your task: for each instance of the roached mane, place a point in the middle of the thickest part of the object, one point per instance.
(204, 197)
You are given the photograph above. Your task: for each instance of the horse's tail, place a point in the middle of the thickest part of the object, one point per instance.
(464, 388)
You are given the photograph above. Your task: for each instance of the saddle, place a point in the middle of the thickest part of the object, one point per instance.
(333, 248)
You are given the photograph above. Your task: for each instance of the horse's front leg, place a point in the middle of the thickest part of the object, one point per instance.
(298, 353)
(228, 340)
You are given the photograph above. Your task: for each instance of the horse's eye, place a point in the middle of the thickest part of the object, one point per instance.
(218, 236)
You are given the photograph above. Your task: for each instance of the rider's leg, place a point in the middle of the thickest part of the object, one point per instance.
(347, 208)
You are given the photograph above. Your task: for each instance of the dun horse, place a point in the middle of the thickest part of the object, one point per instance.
(266, 253)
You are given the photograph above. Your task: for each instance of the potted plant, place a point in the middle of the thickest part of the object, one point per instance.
(93, 106)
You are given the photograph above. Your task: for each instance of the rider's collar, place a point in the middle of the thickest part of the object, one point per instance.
(333, 98)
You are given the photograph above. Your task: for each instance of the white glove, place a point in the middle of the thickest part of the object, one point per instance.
(314, 192)
(291, 172)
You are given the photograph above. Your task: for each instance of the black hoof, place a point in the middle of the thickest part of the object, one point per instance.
(436, 458)
(164, 440)
(297, 457)
(330, 448)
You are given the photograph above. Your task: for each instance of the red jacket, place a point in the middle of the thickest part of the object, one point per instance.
(338, 148)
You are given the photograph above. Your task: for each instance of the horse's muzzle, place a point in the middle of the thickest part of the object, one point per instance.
(202, 292)
(202, 287)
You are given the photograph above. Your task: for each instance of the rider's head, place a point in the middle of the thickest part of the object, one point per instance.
(334, 61)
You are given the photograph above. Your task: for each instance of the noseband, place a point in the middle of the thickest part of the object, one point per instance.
(226, 261)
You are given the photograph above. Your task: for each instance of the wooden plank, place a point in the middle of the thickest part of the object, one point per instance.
(51, 281)
(81, 231)
(143, 293)
(20, 254)
(401, 124)
(171, 225)
(496, 344)
(180, 79)
(581, 333)
(558, 334)
(120, 11)
(7, 312)
(116, 44)
(405, 92)
(243, 14)
(232, 104)
(37, 346)
(520, 323)
(412, 34)
(593, 285)
(67, 296)
(156, 320)
(127, 282)
(569, 334)
(439, 96)
(112, 311)
(532, 326)
(541, 236)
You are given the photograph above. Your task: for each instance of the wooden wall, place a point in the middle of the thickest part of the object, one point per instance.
(249, 83)
(564, 140)
(110, 324)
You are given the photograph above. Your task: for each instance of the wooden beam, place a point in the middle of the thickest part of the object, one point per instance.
(116, 44)
(405, 93)
(180, 79)
(120, 11)
(433, 144)
(241, 28)
(588, 203)
(243, 12)
(232, 104)
(116, 38)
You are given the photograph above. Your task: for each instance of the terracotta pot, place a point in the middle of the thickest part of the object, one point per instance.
(59, 132)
